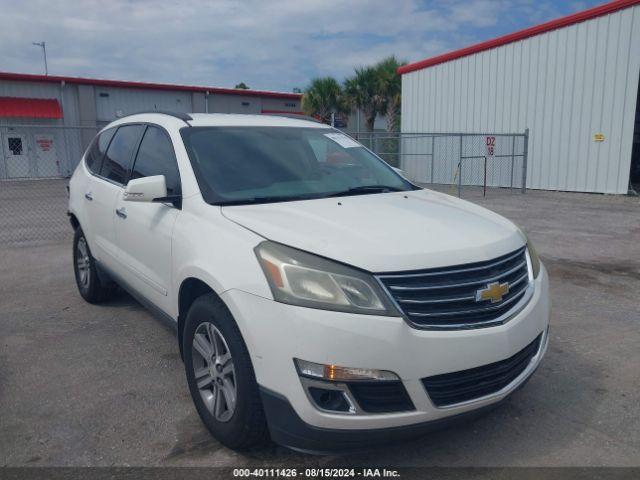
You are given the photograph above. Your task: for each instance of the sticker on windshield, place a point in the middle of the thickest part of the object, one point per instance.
(342, 140)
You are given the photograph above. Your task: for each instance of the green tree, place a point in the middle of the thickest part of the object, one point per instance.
(376, 90)
(363, 92)
(390, 88)
(322, 97)
(242, 86)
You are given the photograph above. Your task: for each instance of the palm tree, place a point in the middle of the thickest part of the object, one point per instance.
(322, 97)
(390, 86)
(362, 91)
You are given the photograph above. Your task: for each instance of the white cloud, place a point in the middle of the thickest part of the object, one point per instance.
(267, 44)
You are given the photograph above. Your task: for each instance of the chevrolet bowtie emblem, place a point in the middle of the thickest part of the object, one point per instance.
(494, 292)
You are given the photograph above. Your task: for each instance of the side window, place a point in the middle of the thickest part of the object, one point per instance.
(156, 157)
(118, 158)
(94, 155)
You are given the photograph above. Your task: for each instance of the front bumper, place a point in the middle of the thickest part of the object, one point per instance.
(276, 333)
(288, 429)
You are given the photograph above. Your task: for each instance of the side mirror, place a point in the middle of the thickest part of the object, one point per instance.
(146, 189)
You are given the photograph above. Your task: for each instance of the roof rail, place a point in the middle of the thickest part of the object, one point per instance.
(293, 115)
(182, 116)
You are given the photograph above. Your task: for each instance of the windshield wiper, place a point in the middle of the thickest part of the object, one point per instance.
(271, 199)
(364, 189)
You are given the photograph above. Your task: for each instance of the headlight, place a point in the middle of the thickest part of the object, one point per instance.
(533, 255)
(300, 278)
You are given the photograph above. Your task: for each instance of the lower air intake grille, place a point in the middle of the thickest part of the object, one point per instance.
(465, 296)
(456, 387)
(381, 397)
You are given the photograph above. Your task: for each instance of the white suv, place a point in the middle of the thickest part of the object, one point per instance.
(318, 295)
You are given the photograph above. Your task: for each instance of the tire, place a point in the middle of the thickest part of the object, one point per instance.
(91, 287)
(227, 375)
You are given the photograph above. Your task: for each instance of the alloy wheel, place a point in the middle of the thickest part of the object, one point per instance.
(83, 263)
(214, 371)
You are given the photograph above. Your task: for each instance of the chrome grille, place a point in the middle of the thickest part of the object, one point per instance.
(447, 298)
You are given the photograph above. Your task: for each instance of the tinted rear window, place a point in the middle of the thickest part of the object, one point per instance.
(96, 151)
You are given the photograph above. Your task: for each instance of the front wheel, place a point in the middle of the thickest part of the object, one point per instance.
(220, 375)
(90, 286)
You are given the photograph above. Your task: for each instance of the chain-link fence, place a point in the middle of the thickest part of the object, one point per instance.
(463, 163)
(41, 151)
(34, 164)
(37, 159)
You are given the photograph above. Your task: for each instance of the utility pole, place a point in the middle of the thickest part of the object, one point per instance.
(44, 53)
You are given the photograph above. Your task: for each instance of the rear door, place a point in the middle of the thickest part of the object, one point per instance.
(105, 188)
(144, 230)
(88, 211)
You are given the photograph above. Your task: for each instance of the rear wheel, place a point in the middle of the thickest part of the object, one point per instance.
(90, 286)
(220, 375)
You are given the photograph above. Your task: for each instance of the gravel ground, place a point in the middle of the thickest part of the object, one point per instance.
(104, 385)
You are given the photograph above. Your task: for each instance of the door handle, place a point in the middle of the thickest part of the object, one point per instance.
(88, 196)
(121, 212)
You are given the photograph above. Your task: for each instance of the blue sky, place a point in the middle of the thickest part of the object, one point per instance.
(274, 45)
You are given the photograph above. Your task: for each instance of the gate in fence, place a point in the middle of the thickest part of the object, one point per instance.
(459, 162)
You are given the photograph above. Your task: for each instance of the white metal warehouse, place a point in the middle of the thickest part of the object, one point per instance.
(573, 82)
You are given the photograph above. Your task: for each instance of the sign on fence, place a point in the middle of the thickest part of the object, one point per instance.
(490, 142)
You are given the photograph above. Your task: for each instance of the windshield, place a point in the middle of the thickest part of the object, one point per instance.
(240, 165)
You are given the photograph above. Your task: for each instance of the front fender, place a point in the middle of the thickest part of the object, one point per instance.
(218, 252)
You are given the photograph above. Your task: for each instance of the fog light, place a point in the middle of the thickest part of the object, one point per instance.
(334, 373)
(332, 400)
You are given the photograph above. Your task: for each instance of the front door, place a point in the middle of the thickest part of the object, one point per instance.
(16, 155)
(144, 230)
(143, 234)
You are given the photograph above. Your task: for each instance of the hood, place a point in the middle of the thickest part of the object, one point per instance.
(385, 232)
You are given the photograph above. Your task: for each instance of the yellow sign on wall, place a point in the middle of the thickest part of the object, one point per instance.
(598, 137)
